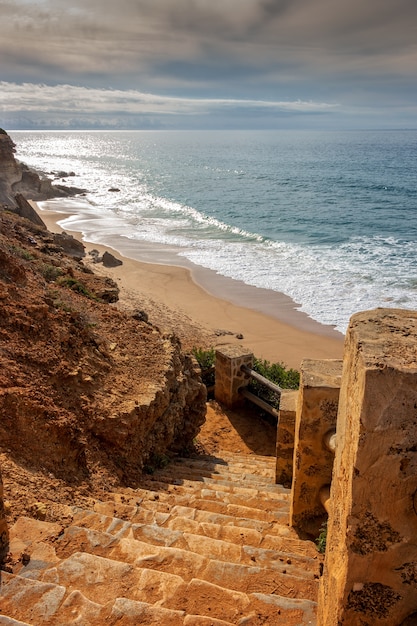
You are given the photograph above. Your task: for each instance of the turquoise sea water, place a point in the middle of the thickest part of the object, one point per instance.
(328, 218)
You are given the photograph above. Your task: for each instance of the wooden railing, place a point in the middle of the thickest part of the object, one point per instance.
(265, 406)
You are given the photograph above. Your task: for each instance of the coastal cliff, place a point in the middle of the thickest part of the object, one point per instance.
(89, 395)
(16, 178)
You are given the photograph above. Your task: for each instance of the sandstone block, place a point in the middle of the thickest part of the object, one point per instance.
(285, 437)
(370, 574)
(229, 377)
(316, 415)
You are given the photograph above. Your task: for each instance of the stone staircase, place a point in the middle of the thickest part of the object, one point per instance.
(205, 542)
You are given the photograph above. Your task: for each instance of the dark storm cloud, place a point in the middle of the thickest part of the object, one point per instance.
(138, 33)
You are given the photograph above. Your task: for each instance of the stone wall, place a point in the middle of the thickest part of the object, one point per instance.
(285, 437)
(370, 573)
(229, 377)
(316, 415)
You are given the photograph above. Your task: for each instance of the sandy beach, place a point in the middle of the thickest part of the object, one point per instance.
(205, 309)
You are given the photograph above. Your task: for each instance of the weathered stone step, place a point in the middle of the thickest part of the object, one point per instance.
(23, 598)
(190, 562)
(274, 517)
(199, 620)
(208, 511)
(164, 500)
(248, 459)
(219, 466)
(189, 477)
(198, 597)
(226, 551)
(171, 494)
(92, 575)
(95, 540)
(159, 511)
(9, 621)
(173, 534)
(207, 522)
(295, 576)
(241, 608)
(42, 603)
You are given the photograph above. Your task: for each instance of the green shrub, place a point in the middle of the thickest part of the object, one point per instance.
(206, 360)
(276, 373)
(77, 286)
(322, 539)
(22, 253)
(50, 272)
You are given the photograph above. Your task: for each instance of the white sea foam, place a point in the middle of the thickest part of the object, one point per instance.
(329, 282)
(336, 234)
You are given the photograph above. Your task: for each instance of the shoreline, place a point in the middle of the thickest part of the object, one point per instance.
(269, 322)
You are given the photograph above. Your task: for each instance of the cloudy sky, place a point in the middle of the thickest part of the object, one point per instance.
(208, 64)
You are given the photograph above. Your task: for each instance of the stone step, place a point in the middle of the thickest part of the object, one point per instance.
(190, 553)
(30, 600)
(241, 608)
(178, 494)
(295, 575)
(273, 517)
(160, 512)
(235, 457)
(9, 621)
(206, 522)
(261, 475)
(227, 461)
(131, 584)
(34, 601)
(178, 537)
(91, 574)
(188, 479)
(130, 612)
(234, 495)
(152, 484)
(208, 511)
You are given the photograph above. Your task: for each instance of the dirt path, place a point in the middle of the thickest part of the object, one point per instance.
(242, 431)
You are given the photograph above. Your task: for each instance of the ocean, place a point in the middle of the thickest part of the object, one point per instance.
(327, 218)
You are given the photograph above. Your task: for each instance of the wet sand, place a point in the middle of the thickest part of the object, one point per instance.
(227, 311)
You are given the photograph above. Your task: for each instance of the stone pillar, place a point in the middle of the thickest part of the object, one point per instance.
(4, 534)
(370, 573)
(313, 463)
(229, 377)
(285, 437)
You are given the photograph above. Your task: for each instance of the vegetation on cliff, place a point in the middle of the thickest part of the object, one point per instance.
(87, 393)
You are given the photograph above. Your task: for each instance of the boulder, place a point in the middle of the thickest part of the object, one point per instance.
(141, 316)
(25, 209)
(70, 245)
(95, 256)
(108, 290)
(110, 261)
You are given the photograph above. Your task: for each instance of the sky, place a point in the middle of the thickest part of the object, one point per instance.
(185, 64)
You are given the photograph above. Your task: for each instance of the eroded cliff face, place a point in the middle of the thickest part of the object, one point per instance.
(88, 394)
(16, 178)
(10, 172)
